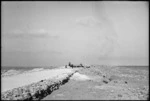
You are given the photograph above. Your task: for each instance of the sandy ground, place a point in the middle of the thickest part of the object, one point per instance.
(104, 83)
(15, 81)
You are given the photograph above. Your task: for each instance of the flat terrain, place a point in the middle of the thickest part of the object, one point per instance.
(105, 83)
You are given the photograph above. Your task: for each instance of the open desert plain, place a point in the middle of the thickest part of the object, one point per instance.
(105, 83)
(95, 82)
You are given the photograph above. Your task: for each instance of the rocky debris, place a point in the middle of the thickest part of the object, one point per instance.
(120, 82)
(143, 93)
(105, 81)
(36, 91)
(128, 92)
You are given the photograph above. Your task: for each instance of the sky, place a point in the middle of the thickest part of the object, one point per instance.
(37, 33)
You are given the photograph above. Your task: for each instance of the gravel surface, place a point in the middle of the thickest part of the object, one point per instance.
(104, 83)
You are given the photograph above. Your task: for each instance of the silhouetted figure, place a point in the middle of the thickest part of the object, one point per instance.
(81, 65)
(71, 65)
(65, 66)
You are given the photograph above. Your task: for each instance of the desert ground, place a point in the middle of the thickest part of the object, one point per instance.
(104, 83)
(95, 82)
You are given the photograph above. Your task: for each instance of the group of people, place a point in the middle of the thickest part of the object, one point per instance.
(75, 66)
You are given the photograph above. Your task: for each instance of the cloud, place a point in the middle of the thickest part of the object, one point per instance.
(48, 51)
(88, 21)
(33, 51)
(35, 33)
(102, 37)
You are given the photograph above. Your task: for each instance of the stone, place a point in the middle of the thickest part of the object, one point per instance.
(119, 95)
(105, 81)
(115, 81)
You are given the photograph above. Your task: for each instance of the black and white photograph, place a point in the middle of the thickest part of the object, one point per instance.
(74, 50)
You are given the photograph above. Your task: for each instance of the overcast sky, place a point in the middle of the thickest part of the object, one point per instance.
(54, 33)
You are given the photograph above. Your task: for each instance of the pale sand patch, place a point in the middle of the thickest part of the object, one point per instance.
(78, 76)
(16, 81)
